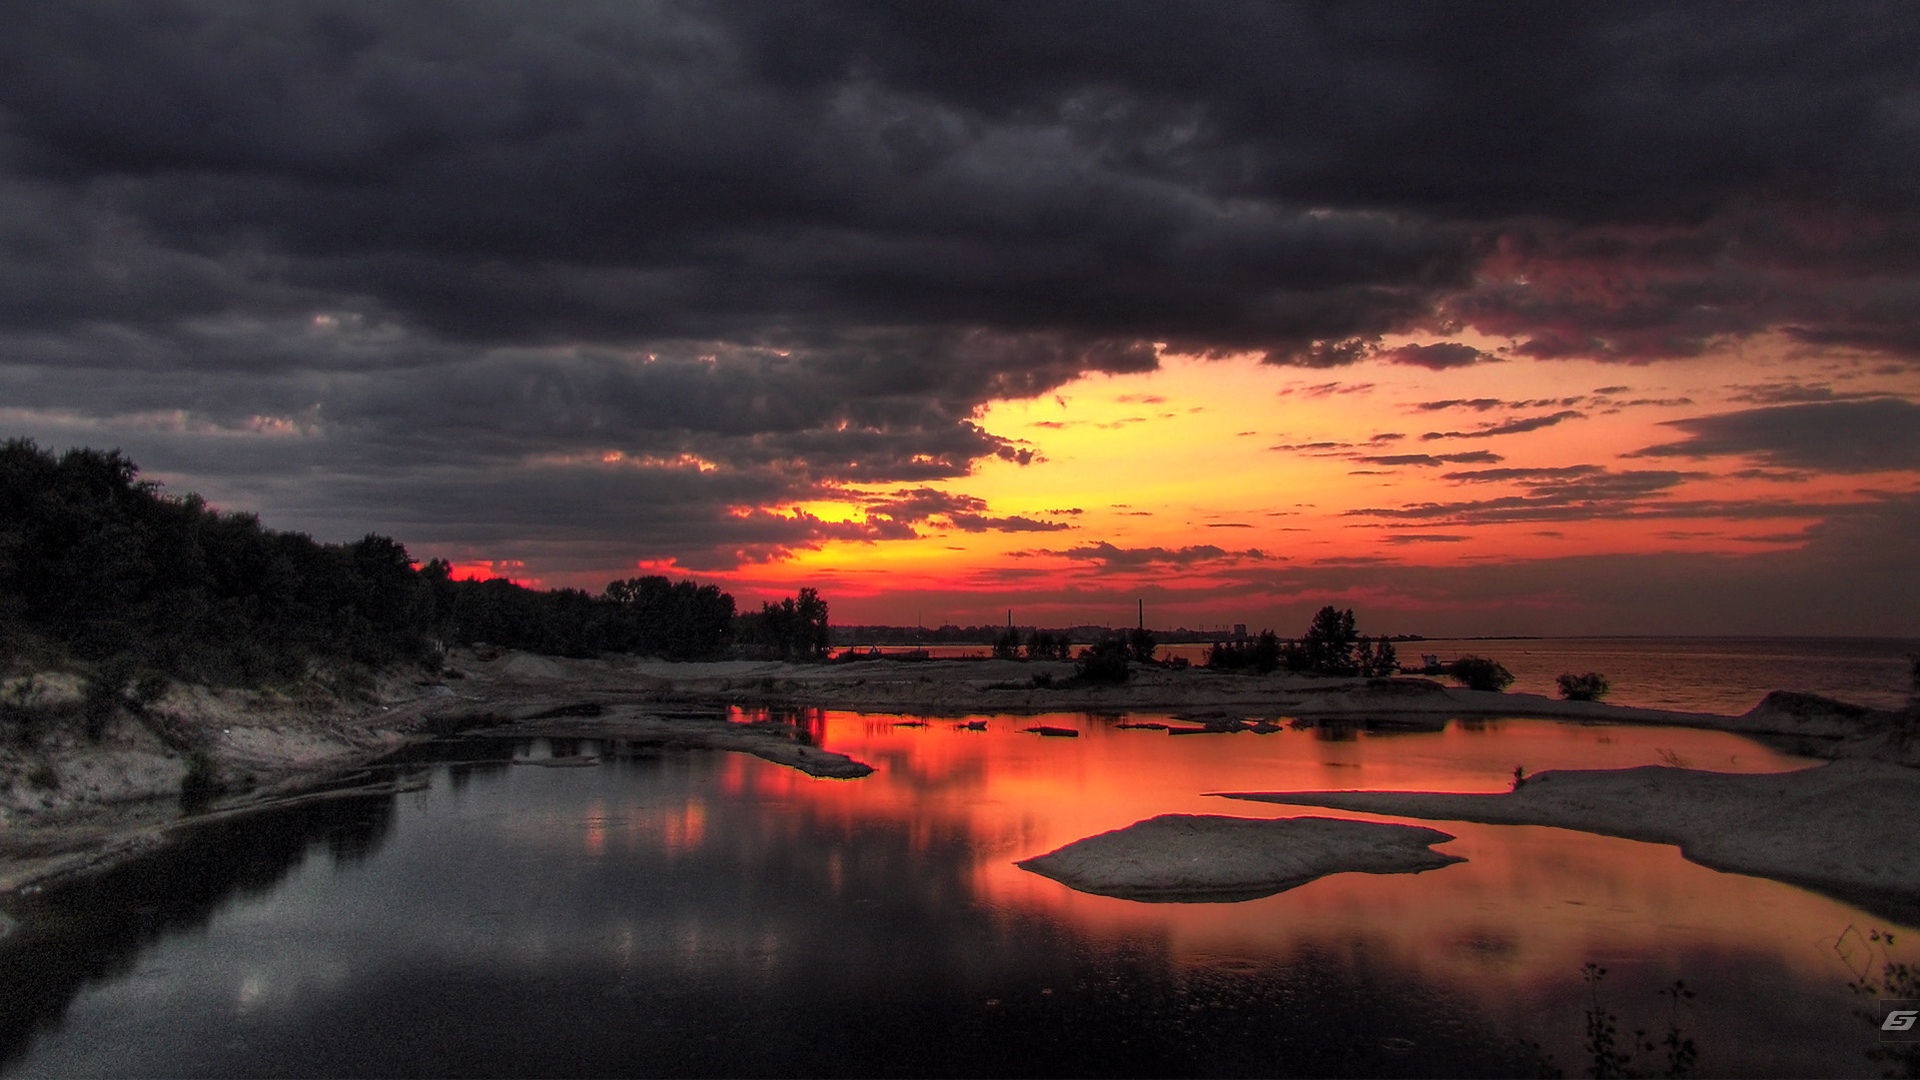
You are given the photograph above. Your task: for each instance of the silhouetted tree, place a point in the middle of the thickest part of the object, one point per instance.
(1328, 645)
(1007, 645)
(1262, 654)
(1141, 645)
(793, 629)
(100, 565)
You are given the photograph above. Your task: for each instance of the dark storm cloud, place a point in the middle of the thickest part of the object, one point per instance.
(1437, 357)
(1842, 437)
(446, 238)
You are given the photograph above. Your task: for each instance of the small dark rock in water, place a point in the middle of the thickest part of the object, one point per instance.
(1210, 729)
(909, 723)
(1264, 727)
(1056, 732)
(571, 761)
(1144, 726)
(973, 725)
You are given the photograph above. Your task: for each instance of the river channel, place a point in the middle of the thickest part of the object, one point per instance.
(708, 913)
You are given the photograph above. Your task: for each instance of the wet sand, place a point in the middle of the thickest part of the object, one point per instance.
(1845, 829)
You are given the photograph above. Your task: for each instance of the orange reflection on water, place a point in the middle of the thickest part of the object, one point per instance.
(1528, 907)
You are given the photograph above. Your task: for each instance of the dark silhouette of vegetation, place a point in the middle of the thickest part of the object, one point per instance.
(1007, 645)
(1327, 648)
(678, 620)
(1104, 662)
(793, 629)
(1333, 646)
(1045, 646)
(100, 568)
(1141, 645)
(1262, 654)
(1589, 687)
(1479, 673)
(1611, 1055)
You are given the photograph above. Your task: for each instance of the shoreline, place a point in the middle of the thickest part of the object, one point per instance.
(120, 796)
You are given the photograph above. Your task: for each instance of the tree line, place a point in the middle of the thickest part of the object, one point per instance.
(98, 564)
(1332, 645)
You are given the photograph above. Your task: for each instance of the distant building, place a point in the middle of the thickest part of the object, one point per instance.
(1239, 629)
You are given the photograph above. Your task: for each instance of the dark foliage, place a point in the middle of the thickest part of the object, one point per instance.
(144, 586)
(1007, 645)
(793, 629)
(1046, 646)
(1103, 662)
(1479, 673)
(1589, 687)
(1332, 646)
(1261, 654)
(1327, 648)
(105, 566)
(1141, 645)
(677, 620)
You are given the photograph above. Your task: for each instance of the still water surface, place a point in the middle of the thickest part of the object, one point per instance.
(712, 914)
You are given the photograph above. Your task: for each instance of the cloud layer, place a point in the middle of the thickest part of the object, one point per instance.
(621, 277)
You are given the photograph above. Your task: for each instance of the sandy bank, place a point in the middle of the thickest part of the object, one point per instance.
(70, 803)
(1845, 829)
(1189, 857)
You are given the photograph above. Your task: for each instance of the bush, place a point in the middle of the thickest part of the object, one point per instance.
(1103, 662)
(1479, 673)
(1589, 687)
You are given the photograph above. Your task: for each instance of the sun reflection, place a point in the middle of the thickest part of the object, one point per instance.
(1528, 900)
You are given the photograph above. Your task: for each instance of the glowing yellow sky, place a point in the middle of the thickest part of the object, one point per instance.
(1223, 452)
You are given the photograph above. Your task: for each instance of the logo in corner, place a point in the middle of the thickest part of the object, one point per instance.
(1899, 1020)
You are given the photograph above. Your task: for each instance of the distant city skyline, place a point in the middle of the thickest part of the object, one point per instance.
(1505, 319)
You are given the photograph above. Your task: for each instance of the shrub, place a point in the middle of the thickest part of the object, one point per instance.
(1589, 687)
(1103, 662)
(1007, 645)
(1479, 673)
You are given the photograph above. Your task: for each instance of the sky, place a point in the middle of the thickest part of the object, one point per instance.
(1478, 319)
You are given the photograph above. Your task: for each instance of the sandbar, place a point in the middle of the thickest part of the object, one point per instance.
(1209, 859)
(1845, 829)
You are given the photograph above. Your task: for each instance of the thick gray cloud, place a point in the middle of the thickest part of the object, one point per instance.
(342, 261)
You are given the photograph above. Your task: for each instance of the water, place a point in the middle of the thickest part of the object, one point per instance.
(707, 913)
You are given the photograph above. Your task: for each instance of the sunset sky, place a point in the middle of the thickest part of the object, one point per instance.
(1478, 319)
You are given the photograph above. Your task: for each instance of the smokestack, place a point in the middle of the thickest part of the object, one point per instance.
(1143, 614)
